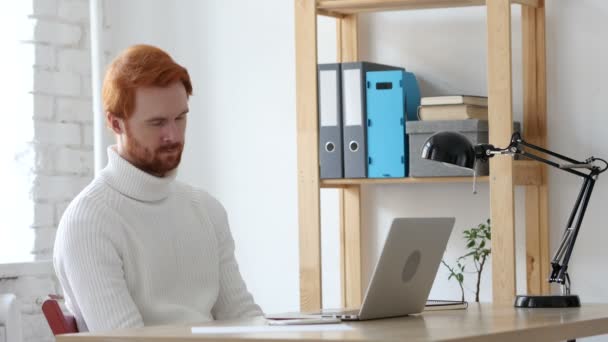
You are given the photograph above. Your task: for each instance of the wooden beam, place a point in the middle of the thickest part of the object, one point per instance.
(502, 204)
(534, 277)
(350, 233)
(541, 115)
(529, 3)
(525, 172)
(308, 160)
(537, 240)
(355, 6)
(348, 38)
(342, 183)
(535, 125)
(330, 14)
(545, 263)
(350, 197)
(337, 7)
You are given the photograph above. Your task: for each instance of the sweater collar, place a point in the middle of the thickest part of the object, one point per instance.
(133, 182)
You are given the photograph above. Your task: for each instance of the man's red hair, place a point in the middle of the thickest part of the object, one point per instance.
(136, 67)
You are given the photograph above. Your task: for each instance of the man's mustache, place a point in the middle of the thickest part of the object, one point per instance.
(170, 147)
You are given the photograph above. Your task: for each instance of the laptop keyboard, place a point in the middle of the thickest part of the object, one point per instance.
(339, 312)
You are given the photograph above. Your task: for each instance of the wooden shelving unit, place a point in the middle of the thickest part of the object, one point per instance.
(504, 172)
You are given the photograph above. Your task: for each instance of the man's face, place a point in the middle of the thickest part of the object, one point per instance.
(152, 139)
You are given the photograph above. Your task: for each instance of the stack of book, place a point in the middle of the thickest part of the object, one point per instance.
(455, 107)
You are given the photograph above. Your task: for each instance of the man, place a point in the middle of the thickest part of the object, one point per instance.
(136, 247)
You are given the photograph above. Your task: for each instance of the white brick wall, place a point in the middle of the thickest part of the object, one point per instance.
(88, 135)
(56, 83)
(75, 60)
(44, 215)
(71, 109)
(62, 145)
(62, 112)
(57, 33)
(44, 107)
(45, 57)
(56, 133)
(74, 10)
(45, 7)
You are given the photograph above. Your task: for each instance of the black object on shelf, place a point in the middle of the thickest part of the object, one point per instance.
(453, 148)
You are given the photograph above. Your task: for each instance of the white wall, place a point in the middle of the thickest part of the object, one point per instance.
(577, 126)
(241, 134)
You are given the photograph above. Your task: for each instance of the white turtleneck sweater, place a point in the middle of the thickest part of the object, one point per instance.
(133, 249)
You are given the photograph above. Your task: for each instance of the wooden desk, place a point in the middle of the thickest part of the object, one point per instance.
(484, 322)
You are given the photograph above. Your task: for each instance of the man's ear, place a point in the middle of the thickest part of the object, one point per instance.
(115, 123)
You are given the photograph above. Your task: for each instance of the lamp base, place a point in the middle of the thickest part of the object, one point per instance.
(565, 301)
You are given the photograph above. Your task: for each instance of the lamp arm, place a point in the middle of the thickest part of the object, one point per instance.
(559, 263)
(485, 151)
(518, 140)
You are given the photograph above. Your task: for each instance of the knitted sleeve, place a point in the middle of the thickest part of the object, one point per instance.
(234, 300)
(88, 263)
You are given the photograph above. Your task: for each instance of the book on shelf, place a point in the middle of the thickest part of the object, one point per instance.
(436, 305)
(452, 112)
(454, 100)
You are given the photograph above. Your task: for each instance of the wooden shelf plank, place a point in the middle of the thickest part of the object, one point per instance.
(525, 173)
(337, 8)
(338, 183)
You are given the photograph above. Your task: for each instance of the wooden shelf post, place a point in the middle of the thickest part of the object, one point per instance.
(350, 196)
(502, 206)
(309, 199)
(535, 126)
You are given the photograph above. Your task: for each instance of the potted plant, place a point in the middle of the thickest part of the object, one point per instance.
(478, 249)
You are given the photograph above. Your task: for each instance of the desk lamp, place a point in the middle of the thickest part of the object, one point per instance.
(455, 149)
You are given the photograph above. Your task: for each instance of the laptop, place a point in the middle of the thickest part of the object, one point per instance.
(403, 277)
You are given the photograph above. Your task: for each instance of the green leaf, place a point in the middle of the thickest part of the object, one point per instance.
(471, 244)
(468, 254)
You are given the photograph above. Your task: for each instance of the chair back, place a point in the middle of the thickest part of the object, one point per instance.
(58, 321)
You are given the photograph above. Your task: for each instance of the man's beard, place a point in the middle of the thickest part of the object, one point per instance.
(157, 162)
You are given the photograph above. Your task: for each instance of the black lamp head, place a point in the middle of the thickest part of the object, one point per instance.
(450, 148)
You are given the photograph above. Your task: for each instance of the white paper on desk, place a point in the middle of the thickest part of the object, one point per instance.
(270, 329)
